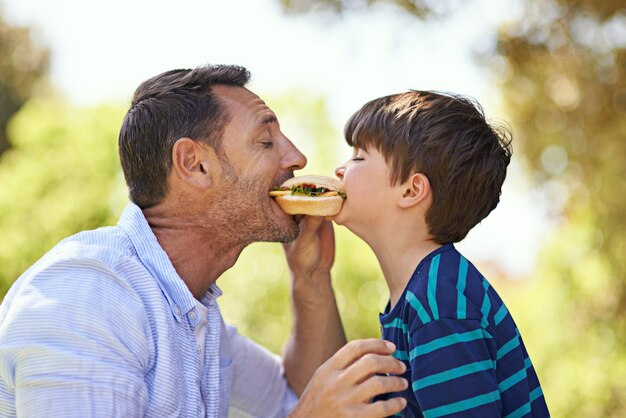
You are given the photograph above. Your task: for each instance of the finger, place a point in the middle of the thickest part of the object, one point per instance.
(356, 349)
(309, 226)
(377, 385)
(326, 229)
(371, 364)
(327, 236)
(384, 408)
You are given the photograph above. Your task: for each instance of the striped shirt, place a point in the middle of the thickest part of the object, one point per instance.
(103, 326)
(463, 351)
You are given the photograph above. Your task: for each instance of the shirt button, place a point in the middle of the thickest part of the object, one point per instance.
(177, 310)
(192, 315)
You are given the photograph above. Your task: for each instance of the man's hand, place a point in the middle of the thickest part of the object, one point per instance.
(345, 384)
(317, 330)
(313, 253)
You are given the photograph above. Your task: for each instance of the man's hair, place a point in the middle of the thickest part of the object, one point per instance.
(169, 106)
(447, 138)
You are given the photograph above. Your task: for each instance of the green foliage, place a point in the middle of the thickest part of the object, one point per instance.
(563, 71)
(22, 66)
(62, 176)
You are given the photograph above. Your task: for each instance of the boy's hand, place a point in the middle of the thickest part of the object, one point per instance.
(345, 384)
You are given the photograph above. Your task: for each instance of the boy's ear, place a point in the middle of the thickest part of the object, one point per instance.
(191, 162)
(415, 191)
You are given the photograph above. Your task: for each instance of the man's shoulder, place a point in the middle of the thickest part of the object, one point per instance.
(85, 259)
(106, 246)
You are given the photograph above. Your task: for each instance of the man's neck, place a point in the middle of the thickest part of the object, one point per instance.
(200, 254)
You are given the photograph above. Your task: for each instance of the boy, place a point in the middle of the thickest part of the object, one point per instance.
(426, 169)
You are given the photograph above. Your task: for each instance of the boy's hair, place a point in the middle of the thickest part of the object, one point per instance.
(447, 138)
(169, 106)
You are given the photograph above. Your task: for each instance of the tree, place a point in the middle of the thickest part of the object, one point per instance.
(562, 72)
(61, 176)
(22, 65)
(419, 8)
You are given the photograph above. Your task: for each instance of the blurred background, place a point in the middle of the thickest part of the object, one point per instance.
(555, 70)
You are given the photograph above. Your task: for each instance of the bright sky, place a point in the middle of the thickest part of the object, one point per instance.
(102, 50)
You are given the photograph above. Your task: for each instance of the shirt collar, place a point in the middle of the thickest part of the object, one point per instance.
(155, 259)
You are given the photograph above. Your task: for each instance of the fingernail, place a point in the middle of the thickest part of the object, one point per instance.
(406, 383)
(390, 346)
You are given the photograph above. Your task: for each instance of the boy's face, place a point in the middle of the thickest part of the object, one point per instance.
(371, 196)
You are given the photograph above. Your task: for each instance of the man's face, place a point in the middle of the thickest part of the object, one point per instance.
(259, 157)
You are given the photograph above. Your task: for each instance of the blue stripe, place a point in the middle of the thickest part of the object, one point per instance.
(452, 374)
(432, 286)
(400, 355)
(536, 394)
(417, 305)
(462, 405)
(520, 412)
(446, 341)
(461, 310)
(500, 314)
(527, 362)
(526, 409)
(486, 306)
(512, 380)
(397, 323)
(506, 348)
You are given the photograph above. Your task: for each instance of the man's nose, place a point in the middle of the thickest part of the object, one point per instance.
(293, 158)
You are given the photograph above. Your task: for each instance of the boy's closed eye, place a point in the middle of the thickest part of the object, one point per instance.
(357, 155)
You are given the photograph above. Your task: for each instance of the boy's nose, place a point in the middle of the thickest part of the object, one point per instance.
(339, 172)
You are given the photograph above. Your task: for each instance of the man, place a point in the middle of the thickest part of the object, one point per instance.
(123, 321)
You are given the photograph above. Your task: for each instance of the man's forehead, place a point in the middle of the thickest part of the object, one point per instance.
(241, 99)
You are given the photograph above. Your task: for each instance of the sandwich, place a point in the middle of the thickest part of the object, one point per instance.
(310, 195)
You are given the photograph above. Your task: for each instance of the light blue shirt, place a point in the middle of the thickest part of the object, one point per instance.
(103, 326)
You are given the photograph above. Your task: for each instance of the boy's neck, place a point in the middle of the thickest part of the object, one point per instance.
(398, 260)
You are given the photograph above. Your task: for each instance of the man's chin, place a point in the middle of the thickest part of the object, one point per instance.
(283, 232)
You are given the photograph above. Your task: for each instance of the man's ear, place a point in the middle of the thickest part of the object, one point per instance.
(415, 191)
(191, 162)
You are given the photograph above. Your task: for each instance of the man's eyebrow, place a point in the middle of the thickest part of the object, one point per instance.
(268, 119)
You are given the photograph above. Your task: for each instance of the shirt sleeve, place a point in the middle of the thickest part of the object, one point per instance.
(73, 345)
(453, 369)
(259, 386)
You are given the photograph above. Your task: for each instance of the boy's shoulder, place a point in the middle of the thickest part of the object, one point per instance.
(445, 284)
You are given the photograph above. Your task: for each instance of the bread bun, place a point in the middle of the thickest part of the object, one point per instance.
(313, 206)
(302, 204)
